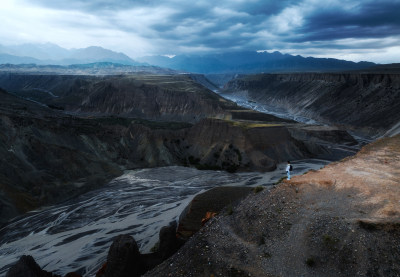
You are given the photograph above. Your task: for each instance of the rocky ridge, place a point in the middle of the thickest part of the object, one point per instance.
(153, 97)
(343, 220)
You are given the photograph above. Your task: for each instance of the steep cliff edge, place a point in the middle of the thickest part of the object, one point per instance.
(366, 102)
(343, 220)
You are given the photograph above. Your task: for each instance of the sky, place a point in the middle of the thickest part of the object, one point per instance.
(353, 30)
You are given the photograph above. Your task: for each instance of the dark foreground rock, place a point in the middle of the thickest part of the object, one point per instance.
(169, 243)
(27, 267)
(125, 260)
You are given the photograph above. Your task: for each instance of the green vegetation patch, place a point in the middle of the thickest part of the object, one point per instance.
(329, 241)
(258, 189)
(281, 180)
(251, 125)
(155, 247)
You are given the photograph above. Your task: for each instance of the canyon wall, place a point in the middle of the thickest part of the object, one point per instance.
(366, 102)
(154, 97)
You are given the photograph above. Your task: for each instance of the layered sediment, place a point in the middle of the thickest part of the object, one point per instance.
(154, 97)
(362, 101)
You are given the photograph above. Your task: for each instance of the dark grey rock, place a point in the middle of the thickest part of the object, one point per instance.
(27, 267)
(169, 243)
(124, 258)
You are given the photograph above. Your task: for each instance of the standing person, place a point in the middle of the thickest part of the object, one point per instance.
(288, 169)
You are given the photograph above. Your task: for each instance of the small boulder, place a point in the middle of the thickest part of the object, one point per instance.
(169, 243)
(123, 258)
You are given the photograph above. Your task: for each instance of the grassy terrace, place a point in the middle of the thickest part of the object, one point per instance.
(251, 124)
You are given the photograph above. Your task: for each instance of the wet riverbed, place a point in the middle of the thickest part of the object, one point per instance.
(76, 235)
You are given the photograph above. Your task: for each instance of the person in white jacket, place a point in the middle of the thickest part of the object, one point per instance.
(288, 169)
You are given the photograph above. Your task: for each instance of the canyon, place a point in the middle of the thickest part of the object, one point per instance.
(64, 135)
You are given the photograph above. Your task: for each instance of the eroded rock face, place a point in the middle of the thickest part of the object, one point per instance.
(362, 101)
(245, 145)
(168, 98)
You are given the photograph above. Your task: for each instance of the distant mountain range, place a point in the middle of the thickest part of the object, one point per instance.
(252, 62)
(225, 63)
(44, 54)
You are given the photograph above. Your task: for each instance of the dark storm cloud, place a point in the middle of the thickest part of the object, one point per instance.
(251, 7)
(377, 19)
(218, 25)
(151, 26)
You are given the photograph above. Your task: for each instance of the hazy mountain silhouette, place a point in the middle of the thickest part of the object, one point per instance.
(251, 62)
(53, 54)
(11, 59)
(44, 52)
(232, 62)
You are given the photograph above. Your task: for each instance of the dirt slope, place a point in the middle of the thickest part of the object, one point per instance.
(343, 220)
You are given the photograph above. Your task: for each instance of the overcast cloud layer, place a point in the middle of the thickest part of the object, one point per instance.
(352, 30)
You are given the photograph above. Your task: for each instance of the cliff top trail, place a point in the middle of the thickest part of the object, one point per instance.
(343, 220)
